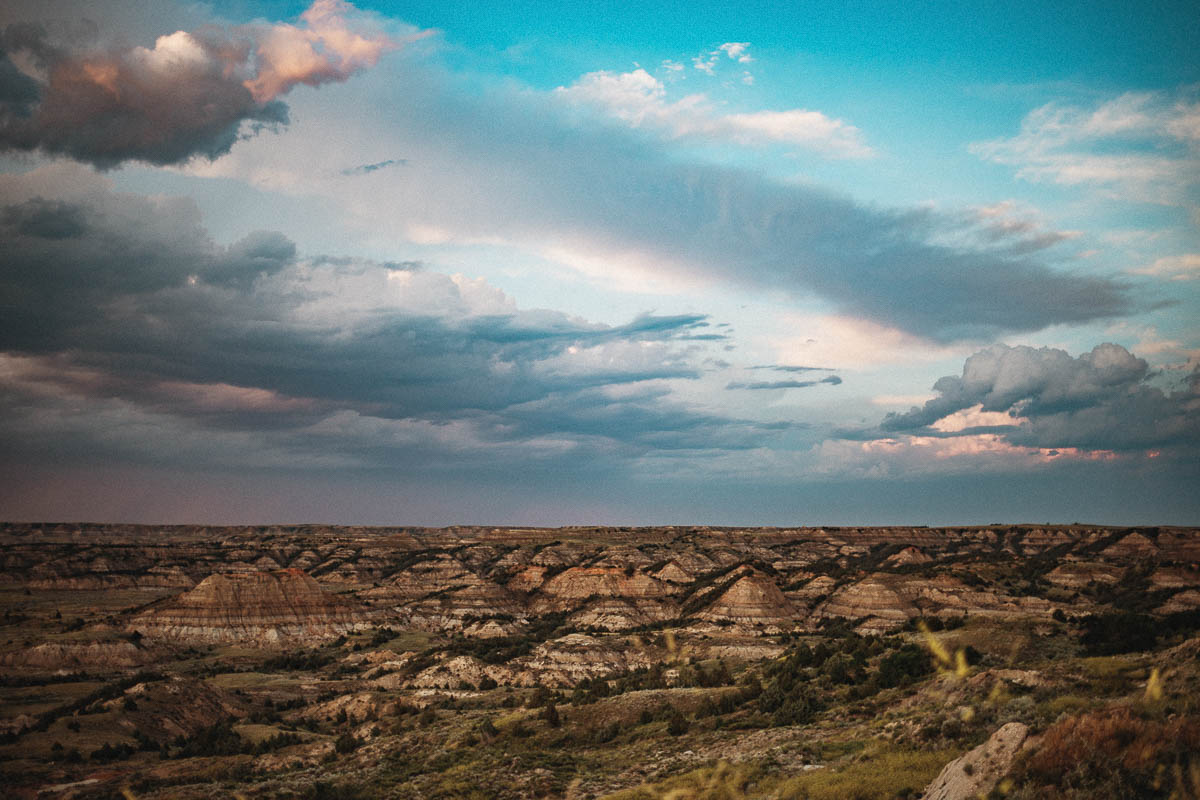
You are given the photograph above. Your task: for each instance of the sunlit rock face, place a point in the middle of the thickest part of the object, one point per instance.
(263, 608)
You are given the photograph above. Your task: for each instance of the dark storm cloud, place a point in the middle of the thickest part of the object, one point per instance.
(1103, 399)
(65, 263)
(127, 330)
(192, 94)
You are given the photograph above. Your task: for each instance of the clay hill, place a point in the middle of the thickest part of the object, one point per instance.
(265, 608)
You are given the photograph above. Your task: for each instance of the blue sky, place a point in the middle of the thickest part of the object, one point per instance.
(437, 263)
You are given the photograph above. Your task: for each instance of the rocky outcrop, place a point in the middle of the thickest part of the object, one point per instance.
(909, 555)
(884, 602)
(672, 572)
(459, 673)
(1182, 601)
(975, 774)
(418, 580)
(1079, 574)
(527, 579)
(1132, 546)
(164, 710)
(262, 608)
(1175, 578)
(877, 602)
(472, 601)
(69, 656)
(572, 587)
(618, 614)
(566, 661)
(752, 600)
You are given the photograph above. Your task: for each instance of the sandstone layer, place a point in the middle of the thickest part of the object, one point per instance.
(263, 608)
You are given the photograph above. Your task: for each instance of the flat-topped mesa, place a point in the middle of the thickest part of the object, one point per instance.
(264, 608)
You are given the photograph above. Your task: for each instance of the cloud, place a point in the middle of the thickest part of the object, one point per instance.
(1013, 228)
(791, 368)
(517, 167)
(639, 99)
(735, 51)
(189, 95)
(365, 169)
(1104, 400)
(790, 384)
(128, 333)
(1184, 267)
(1140, 146)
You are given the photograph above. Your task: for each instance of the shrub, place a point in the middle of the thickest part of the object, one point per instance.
(904, 665)
(1121, 632)
(1111, 753)
(219, 739)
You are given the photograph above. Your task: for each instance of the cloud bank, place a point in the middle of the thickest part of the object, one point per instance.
(130, 334)
(1045, 398)
(516, 167)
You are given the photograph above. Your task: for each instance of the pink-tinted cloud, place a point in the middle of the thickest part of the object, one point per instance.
(187, 96)
(324, 49)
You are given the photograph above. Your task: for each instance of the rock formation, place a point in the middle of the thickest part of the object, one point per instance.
(264, 608)
(909, 555)
(875, 600)
(975, 774)
(752, 600)
(1079, 574)
(884, 602)
(67, 656)
(573, 586)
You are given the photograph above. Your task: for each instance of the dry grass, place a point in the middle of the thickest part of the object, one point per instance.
(882, 775)
(1116, 753)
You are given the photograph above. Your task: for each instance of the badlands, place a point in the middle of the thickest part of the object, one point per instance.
(334, 662)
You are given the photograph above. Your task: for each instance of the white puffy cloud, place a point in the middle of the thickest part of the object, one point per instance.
(640, 99)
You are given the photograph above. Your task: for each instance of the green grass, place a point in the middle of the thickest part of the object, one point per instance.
(255, 680)
(879, 777)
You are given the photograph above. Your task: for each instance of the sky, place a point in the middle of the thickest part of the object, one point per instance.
(531, 263)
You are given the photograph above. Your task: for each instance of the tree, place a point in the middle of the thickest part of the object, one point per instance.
(677, 725)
